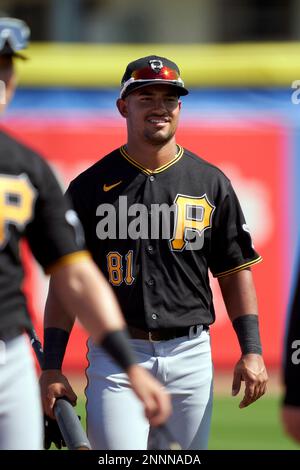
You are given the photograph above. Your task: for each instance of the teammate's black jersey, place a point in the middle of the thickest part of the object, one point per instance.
(155, 235)
(31, 206)
(292, 351)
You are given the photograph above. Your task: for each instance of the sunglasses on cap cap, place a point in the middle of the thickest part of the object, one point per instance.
(14, 36)
(151, 70)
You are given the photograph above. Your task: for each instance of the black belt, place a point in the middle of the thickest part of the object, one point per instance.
(11, 332)
(162, 334)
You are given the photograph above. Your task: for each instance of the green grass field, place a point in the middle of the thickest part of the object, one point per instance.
(256, 427)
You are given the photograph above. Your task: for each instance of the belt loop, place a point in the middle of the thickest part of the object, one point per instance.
(192, 331)
(195, 331)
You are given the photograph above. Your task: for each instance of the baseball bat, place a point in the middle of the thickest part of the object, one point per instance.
(67, 419)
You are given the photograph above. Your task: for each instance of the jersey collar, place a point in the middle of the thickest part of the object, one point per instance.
(146, 170)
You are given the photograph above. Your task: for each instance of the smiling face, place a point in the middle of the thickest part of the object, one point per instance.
(152, 113)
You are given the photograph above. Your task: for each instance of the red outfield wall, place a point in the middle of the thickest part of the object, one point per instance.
(251, 153)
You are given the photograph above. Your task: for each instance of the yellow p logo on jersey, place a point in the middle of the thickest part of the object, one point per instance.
(192, 214)
(17, 197)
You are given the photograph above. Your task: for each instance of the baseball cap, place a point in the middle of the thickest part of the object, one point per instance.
(14, 35)
(151, 70)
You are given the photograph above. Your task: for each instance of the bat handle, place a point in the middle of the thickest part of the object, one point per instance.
(69, 424)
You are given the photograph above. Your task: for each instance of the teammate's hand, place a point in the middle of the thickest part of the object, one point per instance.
(251, 369)
(290, 416)
(54, 384)
(156, 400)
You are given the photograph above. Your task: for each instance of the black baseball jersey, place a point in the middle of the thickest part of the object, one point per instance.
(292, 350)
(31, 206)
(155, 235)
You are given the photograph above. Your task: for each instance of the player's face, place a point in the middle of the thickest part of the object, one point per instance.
(152, 113)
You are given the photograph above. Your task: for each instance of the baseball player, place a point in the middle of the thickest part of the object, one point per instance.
(157, 218)
(291, 369)
(32, 207)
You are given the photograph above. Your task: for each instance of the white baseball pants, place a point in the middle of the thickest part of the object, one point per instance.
(115, 417)
(20, 405)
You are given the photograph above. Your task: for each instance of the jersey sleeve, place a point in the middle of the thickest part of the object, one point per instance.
(76, 194)
(55, 234)
(291, 363)
(231, 245)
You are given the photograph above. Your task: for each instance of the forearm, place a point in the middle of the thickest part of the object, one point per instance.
(58, 324)
(240, 298)
(239, 294)
(56, 315)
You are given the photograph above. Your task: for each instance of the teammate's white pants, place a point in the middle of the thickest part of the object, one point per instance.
(20, 407)
(115, 417)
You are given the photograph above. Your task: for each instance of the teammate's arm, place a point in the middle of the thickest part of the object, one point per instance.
(240, 299)
(81, 289)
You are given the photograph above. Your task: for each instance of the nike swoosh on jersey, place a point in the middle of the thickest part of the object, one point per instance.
(111, 186)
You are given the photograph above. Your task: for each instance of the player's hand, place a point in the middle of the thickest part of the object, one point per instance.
(156, 400)
(250, 369)
(53, 385)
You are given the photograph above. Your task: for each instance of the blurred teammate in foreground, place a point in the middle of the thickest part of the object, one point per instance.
(32, 207)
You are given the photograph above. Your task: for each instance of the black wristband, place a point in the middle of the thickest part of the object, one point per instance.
(55, 344)
(246, 328)
(116, 343)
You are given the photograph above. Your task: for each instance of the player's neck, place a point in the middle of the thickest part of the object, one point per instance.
(152, 156)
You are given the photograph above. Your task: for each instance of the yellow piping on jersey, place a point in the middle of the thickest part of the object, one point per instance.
(146, 170)
(71, 258)
(239, 268)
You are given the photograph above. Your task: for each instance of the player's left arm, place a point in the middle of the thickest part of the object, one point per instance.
(240, 299)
